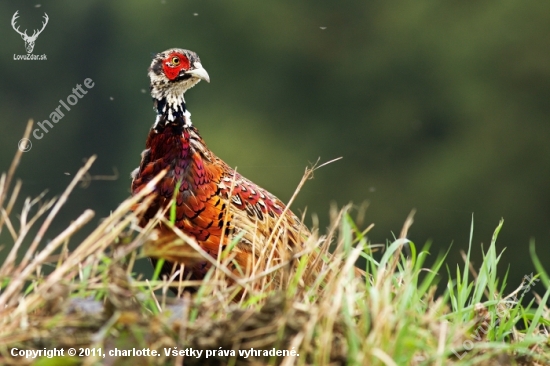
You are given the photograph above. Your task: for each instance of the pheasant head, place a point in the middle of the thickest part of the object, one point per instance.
(172, 73)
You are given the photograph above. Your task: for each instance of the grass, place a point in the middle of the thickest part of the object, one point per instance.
(90, 299)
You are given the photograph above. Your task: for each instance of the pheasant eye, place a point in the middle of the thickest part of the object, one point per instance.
(174, 64)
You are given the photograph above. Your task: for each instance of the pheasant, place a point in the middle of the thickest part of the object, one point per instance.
(214, 204)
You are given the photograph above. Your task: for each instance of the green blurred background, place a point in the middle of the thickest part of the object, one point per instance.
(439, 106)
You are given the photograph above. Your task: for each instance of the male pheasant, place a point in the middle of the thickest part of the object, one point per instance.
(214, 204)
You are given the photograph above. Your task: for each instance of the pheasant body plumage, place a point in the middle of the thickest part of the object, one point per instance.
(213, 203)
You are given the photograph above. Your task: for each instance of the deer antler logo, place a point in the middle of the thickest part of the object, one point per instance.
(29, 41)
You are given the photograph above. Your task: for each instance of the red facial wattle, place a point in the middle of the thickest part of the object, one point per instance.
(174, 64)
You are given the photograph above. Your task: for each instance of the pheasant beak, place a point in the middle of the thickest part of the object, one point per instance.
(199, 72)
